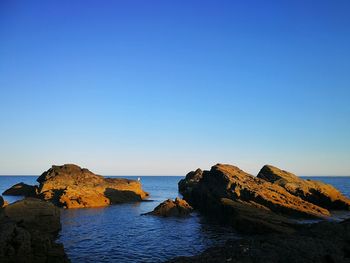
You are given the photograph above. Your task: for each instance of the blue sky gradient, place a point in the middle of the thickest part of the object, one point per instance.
(164, 87)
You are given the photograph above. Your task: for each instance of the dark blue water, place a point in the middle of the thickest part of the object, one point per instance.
(120, 234)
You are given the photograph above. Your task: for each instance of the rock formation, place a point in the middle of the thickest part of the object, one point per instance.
(71, 186)
(318, 193)
(28, 229)
(249, 203)
(21, 189)
(321, 242)
(170, 208)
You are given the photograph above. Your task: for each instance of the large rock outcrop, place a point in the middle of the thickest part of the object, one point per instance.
(170, 208)
(22, 189)
(28, 229)
(71, 186)
(228, 181)
(249, 203)
(318, 193)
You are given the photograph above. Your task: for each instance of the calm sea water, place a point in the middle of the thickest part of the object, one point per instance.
(120, 234)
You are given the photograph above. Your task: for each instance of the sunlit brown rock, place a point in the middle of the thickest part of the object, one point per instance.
(28, 229)
(227, 181)
(170, 208)
(21, 189)
(315, 192)
(71, 186)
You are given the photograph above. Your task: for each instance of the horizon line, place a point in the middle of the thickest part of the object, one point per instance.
(170, 175)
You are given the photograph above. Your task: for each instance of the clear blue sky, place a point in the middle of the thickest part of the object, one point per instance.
(164, 87)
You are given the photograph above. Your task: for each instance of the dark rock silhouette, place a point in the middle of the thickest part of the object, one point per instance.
(28, 229)
(170, 208)
(22, 189)
(321, 242)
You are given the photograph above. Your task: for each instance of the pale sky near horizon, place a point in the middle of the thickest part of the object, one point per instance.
(164, 87)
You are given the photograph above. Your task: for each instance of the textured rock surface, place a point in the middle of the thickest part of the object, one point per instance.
(315, 192)
(28, 229)
(227, 181)
(21, 189)
(73, 187)
(36, 214)
(323, 242)
(170, 208)
(249, 203)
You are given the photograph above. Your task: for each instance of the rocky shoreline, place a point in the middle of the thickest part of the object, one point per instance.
(321, 242)
(265, 209)
(29, 228)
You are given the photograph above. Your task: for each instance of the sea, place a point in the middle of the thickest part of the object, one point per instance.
(120, 233)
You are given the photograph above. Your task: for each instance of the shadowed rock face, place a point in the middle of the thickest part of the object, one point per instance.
(170, 208)
(73, 187)
(21, 189)
(315, 192)
(28, 229)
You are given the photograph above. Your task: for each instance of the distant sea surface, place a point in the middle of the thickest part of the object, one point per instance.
(119, 233)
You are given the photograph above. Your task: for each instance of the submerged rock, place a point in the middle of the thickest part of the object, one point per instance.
(22, 189)
(170, 208)
(71, 186)
(315, 192)
(28, 229)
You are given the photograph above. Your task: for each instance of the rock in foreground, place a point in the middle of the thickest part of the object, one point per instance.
(170, 208)
(70, 186)
(322, 242)
(318, 193)
(28, 229)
